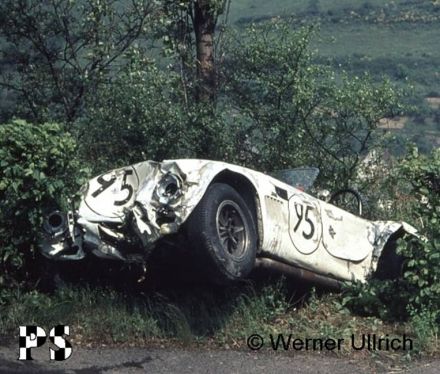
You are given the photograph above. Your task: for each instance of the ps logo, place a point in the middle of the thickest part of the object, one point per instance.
(34, 336)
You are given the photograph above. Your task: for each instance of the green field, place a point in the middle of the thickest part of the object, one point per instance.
(398, 39)
(261, 8)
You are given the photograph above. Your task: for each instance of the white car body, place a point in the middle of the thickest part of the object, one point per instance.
(294, 227)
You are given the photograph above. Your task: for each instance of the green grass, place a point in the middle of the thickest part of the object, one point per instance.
(109, 316)
(200, 316)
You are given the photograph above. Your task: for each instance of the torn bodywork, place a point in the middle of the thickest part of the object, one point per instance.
(120, 212)
(124, 213)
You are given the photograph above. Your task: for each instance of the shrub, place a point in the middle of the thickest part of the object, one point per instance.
(296, 112)
(423, 268)
(38, 169)
(417, 294)
(141, 116)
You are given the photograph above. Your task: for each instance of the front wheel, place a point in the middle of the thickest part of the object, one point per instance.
(222, 232)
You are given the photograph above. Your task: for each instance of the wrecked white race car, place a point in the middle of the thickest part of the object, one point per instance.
(232, 218)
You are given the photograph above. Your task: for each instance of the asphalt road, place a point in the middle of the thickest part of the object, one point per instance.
(173, 360)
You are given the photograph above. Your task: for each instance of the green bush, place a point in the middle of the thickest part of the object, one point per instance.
(144, 114)
(417, 294)
(38, 169)
(423, 268)
(297, 112)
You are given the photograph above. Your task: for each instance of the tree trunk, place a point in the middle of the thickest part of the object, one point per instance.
(204, 27)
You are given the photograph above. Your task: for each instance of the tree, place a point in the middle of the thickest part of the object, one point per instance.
(295, 112)
(55, 52)
(204, 26)
(191, 28)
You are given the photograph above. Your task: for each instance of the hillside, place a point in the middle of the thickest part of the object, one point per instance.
(399, 39)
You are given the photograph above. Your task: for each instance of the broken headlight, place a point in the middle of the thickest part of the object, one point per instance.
(55, 224)
(169, 189)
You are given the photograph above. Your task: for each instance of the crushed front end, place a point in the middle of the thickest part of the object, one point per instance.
(122, 214)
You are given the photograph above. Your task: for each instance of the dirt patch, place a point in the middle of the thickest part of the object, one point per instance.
(433, 101)
(395, 123)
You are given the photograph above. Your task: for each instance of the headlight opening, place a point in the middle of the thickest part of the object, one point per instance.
(169, 189)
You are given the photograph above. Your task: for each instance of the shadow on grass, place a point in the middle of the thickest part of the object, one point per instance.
(110, 302)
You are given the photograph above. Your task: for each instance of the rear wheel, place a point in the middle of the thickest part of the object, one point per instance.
(222, 232)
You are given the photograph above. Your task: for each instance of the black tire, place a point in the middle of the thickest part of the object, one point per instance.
(350, 200)
(222, 232)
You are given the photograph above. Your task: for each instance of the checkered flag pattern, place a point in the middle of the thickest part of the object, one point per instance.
(30, 337)
(65, 348)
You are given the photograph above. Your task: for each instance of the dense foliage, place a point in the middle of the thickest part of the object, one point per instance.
(423, 268)
(417, 294)
(38, 170)
(143, 115)
(55, 53)
(295, 112)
